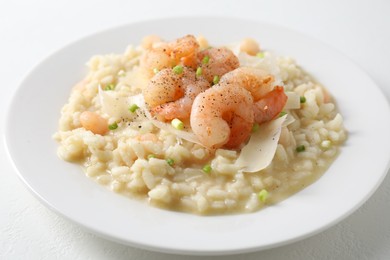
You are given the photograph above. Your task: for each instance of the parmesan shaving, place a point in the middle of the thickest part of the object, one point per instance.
(117, 106)
(183, 134)
(293, 100)
(289, 119)
(258, 153)
(113, 105)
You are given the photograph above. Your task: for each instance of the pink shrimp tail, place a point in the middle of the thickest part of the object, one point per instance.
(270, 106)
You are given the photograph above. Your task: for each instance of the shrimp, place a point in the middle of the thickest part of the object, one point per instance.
(93, 122)
(222, 116)
(217, 62)
(171, 95)
(155, 59)
(164, 87)
(160, 55)
(268, 100)
(257, 81)
(270, 106)
(184, 49)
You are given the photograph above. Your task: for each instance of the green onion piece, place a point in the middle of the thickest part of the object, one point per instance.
(262, 195)
(155, 70)
(300, 148)
(198, 71)
(205, 59)
(260, 55)
(176, 123)
(207, 168)
(326, 144)
(170, 161)
(113, 126)
(178, 69)
(110, 87)
(302, 99)
(255, 127)
(133, 108)
(150, 156)
(283, 113)
(215, 79)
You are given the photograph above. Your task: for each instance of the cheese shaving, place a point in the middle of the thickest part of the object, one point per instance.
(293, 100)
(258, 153)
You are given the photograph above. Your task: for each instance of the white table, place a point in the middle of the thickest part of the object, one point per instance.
(30, 30)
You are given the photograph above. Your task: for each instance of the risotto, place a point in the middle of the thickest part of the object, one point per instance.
(202, 129)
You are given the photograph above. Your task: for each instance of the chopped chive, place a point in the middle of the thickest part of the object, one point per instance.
(283, 113)
(263, 195)
(150, 156)
(176, 123)
(155, 70)
(110, 87)
(260, 55)
(255, 127)
(300, 148)
(178, 69)
(198, 71)
(207, 168)
(133, 108)
(326, 144)
(206, 59)
(302, 99)
(215, 79)
(113, 126)
(170, 161)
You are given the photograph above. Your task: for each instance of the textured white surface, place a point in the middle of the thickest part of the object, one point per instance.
(32, 29)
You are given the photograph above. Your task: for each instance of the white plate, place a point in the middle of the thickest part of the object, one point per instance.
(63, 187)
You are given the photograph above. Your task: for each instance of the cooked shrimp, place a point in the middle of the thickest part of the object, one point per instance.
(268, 101)
(257, 81)
(155, 59)
(160, 55)
(217, 62)
(94, 122)
(171, 95)
(222, 116)
(164, 87)
(270, 106)
(181, 108)
(186, 46)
